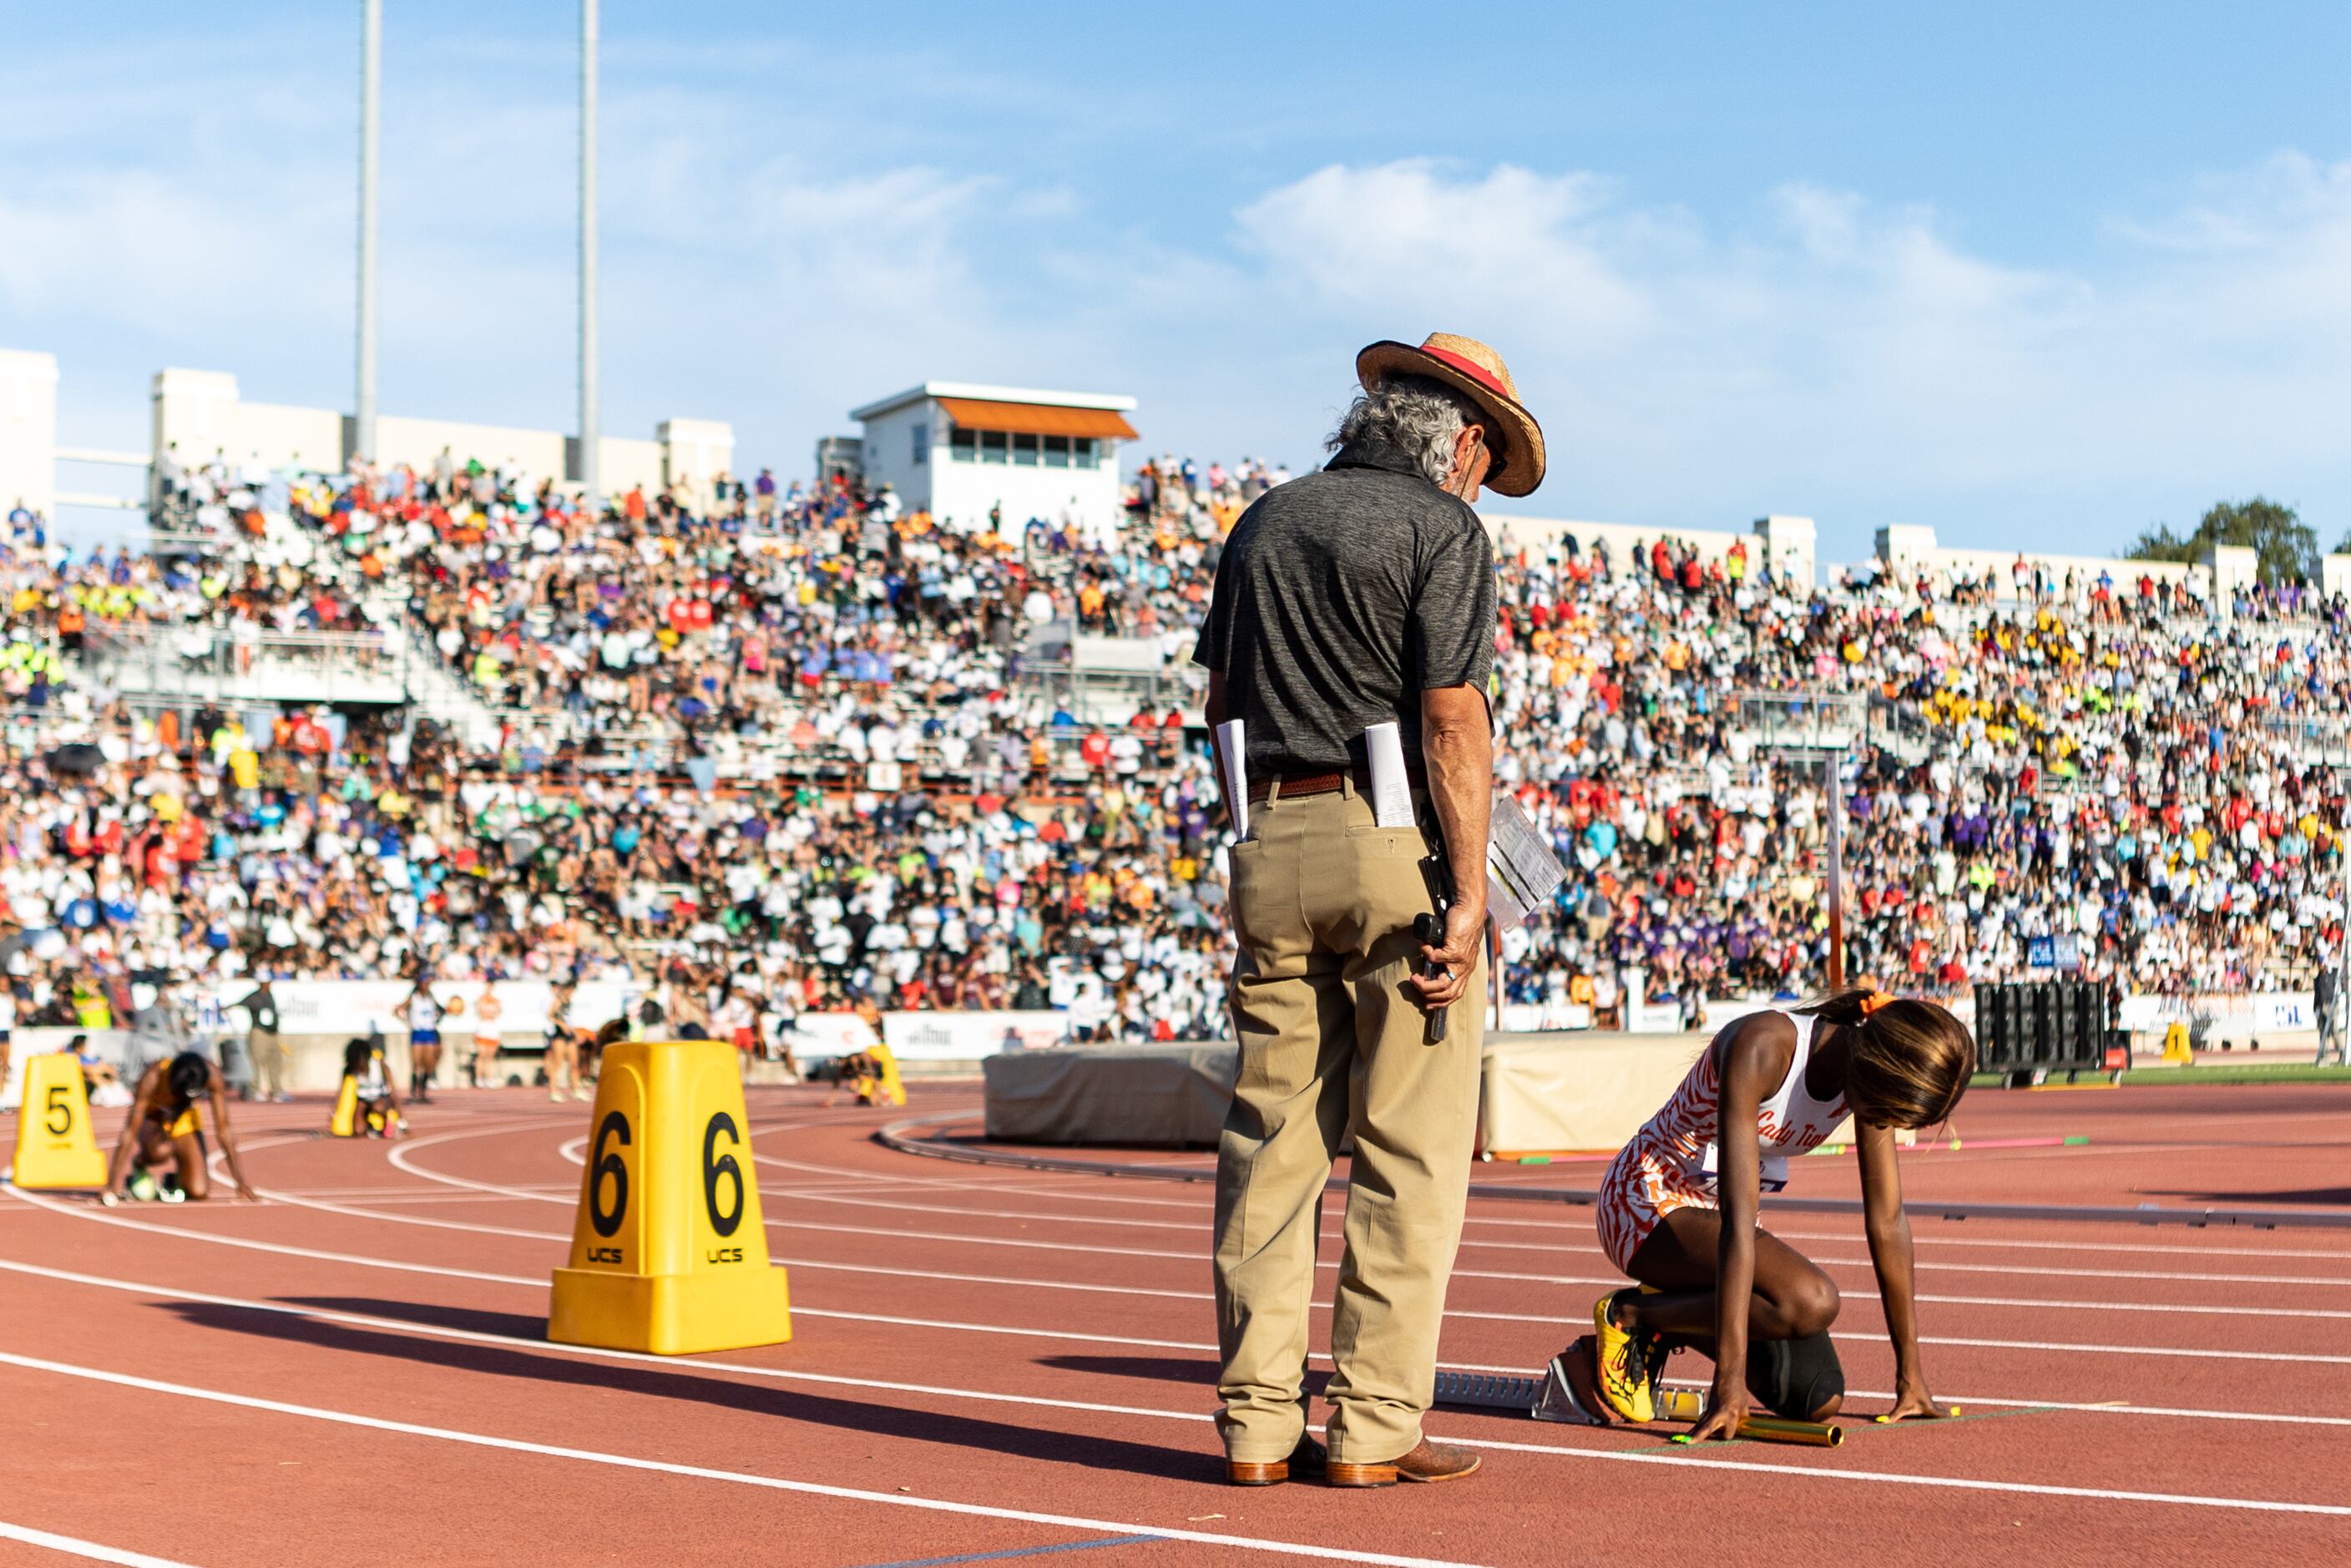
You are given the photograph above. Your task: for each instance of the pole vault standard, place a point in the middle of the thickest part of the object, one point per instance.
(370, 133)
(1804, 729)
(590, 490)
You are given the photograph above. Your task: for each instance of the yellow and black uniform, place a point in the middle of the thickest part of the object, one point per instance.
(177, 1117)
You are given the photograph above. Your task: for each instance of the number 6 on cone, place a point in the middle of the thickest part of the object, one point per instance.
(669, 1253)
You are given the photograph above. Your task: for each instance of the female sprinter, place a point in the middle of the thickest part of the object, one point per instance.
(563, 1045)
(425, 1012)
(375, 1112)
(1770, 1085)
(166, 1123)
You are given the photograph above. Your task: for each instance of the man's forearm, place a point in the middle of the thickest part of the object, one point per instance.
(1459, 752)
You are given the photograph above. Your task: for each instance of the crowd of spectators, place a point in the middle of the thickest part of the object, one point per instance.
(2056, 766)
(2041, 766)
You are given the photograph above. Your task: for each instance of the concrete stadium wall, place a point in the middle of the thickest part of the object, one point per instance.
(28, 431)
(693, 452)
(282, 435)
(540, 453)
(1790, 544)
(625, 463)
(1908, 546)
(202, 414)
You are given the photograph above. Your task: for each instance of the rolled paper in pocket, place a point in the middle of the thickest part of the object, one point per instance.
(1391, 785)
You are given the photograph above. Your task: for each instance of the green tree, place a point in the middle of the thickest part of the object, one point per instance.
(2284, 546)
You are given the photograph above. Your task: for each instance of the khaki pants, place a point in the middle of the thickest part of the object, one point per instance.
(269, 1061)
(1332, 1040)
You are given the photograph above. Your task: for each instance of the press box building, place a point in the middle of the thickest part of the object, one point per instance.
(960, 450)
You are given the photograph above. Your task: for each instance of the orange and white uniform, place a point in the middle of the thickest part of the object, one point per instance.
(1671, 1163)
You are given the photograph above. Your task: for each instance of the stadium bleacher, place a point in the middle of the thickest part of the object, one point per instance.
(783, 752)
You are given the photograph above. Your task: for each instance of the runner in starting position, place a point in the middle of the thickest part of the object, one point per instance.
(1770, 1085)
(166, 1123)
(375, 1103)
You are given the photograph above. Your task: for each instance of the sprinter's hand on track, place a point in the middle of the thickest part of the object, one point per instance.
(1913, 1403)
(1726, 1406)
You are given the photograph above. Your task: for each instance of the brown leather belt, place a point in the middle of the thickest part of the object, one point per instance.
(1297, 784)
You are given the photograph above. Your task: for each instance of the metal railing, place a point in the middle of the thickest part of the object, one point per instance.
(2322, 738)
(302, 666)
(1811, 720)
(915, 763)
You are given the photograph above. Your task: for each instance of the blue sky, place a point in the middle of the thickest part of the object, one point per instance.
(2021, 276)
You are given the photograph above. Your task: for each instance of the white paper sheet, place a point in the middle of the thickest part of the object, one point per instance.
(1229, 746)
(1391, 786)
(1523, 871)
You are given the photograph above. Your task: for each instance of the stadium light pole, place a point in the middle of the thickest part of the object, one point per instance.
(371, 132)
(1833, 770)
(2335, 1042)
(590, 494)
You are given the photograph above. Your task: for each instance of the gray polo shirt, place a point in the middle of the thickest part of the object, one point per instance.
(1341, 597)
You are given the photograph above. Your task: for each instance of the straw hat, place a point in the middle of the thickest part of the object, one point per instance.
(1478, 373)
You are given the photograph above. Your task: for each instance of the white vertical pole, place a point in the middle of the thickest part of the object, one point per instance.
(1831, 768)
(589, 438)
(2335, 1042)
(370, 132)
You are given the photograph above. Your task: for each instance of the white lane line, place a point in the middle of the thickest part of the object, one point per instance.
(1607, 1280)
(402, 1197)
(737, 1477)
(89, 1549)
(1649, 1457)
(399, 1157)
(1570, 1216)
(1899, 1477)
(591, 1352)
(2134, 1248)
(1567, 1216)
(841, 1195)
(1191, 1228)
(99, 1218)
(1066, 1335)
(433, 1331)
(438, 1331)
(2182, 1309)
(573, 1150)
(1028, 1182)
(2198, 1354)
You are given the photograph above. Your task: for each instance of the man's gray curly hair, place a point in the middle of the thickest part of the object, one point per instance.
(1420, 416)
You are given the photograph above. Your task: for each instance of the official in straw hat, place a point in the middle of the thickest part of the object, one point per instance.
(1358, 596)
(1513, 441)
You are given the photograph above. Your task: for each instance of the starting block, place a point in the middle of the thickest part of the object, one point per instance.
(54, 1146)
(1553, 1397)
(669, 1253)
(1548, 1397)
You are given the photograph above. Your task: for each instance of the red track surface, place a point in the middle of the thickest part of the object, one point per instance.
(1050, 1341)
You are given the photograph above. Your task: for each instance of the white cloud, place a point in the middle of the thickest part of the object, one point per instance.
(1837, 347)
(775, 258)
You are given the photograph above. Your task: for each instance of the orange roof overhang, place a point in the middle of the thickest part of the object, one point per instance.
(1038, 418)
